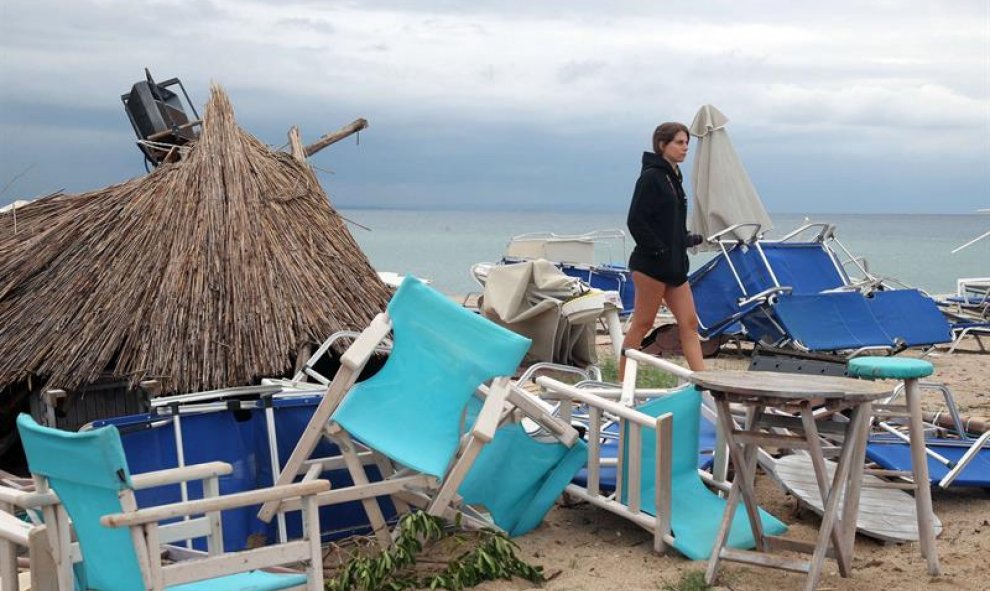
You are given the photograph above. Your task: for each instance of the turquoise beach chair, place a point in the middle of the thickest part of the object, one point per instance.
(517, 478)
(410, 414)
(696, 512)
(655, 485)
(119, 543)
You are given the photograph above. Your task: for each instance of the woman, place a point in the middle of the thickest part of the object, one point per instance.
(659, 262)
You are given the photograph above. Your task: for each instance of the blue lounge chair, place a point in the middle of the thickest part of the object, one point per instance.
(797, 294)
(119, 543)
(891, 453)
(837, 321)
(409, 414)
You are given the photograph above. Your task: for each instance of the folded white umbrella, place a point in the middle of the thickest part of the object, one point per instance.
(723, 194)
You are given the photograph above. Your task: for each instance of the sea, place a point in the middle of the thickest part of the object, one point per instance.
(441, 245)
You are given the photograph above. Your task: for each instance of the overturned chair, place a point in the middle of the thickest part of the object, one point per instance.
(421, 423)
(655, 481)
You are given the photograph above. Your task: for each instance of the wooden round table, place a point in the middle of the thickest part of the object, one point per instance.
(759, 391)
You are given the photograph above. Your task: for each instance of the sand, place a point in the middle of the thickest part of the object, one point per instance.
(585, 548)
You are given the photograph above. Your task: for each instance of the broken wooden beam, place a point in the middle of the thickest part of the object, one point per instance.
(331, 138)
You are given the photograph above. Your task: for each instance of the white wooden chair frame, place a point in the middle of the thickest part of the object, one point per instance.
(632, 434)
(404, 486)
(15, 532)
(148, 536)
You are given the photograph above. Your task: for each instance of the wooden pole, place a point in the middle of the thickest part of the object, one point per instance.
(976, 425)
(295, 142)
(330, 138)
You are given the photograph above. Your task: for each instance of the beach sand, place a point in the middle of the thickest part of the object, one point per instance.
(585, 548)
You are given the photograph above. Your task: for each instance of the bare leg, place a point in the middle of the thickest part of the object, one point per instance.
(681, 303)
(646, 303)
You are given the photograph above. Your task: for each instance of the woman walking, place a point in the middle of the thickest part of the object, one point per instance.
(659, 262)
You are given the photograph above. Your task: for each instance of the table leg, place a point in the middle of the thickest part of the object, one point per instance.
(749, 483)
(835, 494)
(744, 459)
(821, 477)
(923, 490)
(850, 510)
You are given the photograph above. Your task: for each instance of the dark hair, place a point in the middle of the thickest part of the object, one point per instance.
(666, 132)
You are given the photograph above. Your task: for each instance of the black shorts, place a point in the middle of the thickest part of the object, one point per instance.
(662, 268)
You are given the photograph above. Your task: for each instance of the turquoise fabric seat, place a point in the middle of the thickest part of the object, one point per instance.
(518, 478)
(411, 409)
(899, 368)
(696, 512)
(87, 471)
(252, 581)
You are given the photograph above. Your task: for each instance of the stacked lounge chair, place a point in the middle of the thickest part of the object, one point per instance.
(797, 294)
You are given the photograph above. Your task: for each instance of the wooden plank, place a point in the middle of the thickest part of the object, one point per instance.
(594, 449)
(771, 440)
(44, 575)
(200, 506)
(333, 137)
(184, 530)
(370, 491)
(778, 543)
(296, 145)
(662, 480)
(635, 467)
(183, 474)
(768, 560)
(235, 562)
(884, 514)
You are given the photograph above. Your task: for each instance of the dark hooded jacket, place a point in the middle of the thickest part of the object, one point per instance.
(658, 222)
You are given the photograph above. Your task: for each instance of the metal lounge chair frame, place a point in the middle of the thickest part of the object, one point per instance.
(766, 289)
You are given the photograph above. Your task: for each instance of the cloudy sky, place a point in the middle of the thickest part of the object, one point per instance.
(844, 106)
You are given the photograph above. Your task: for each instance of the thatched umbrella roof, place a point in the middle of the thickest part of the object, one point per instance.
(210, 272)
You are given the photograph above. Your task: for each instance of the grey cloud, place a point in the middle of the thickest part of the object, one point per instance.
(434, 140)
(575, 71)
(316, 25)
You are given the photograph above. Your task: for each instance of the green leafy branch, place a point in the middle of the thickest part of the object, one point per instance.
(492, 557)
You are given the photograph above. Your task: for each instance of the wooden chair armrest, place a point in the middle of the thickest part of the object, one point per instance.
(364, 346)
(13, 529)
(541, 412)
(620, 410)
(26, 499)
(183, 474)
(491, 412)
(200, 506)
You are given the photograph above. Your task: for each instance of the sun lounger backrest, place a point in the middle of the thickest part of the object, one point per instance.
(849, 320)
(751, 269)
(87, 471)
(716, 292)
(806, 267)
(411, 409)
(831, 321)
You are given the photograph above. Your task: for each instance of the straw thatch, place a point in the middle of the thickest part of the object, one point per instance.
(214, 271)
